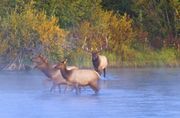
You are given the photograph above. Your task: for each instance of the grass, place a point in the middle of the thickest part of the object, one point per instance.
(147, 58)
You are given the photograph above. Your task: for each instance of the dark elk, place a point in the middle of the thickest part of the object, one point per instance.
(99, 61)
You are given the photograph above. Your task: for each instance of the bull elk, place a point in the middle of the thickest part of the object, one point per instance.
(52, 73)
(80, 77)
(99, 61)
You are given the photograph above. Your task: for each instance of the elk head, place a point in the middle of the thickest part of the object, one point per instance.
(61, 65)
(39, 61)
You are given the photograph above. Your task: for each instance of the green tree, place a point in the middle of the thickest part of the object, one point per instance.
(71, 12)
(120, 6)
(6, 6)
(158, 19)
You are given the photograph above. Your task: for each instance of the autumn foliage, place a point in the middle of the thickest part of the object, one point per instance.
(126, 30)
(31, 29)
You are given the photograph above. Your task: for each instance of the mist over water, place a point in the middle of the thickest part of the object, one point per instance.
(125, 93)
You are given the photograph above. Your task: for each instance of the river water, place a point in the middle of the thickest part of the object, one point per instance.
(125, 93)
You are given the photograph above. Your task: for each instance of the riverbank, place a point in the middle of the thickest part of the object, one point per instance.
(146, 58)
(167, 57)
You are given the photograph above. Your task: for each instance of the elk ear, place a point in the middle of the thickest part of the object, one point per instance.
(65, 61)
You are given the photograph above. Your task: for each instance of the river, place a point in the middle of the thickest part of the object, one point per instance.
(125, 93)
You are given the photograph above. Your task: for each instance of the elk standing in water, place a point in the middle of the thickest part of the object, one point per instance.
(99, 61)
(51, 72)
(80, 77)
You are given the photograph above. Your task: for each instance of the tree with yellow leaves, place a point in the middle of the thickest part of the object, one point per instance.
(26, 28)
(104, 25)
(121, 33)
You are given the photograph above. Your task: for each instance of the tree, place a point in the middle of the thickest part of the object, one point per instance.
(120, 6)
(26, 28)
(158, 19)
(6, 6)
(118, 30)
(71, 12)
(122, 34)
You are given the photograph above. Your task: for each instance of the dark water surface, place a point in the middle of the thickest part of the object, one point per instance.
(126, 93)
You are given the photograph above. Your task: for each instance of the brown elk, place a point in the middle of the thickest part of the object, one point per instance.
(52, 73)
(80, 77)
(99, 61)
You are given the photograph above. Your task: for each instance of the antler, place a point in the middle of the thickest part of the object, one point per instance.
(105, 47)
(83, 46)
(103, 43)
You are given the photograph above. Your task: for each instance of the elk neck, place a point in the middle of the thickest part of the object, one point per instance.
(45, 68)
(96, 61)
(65, 72)
(46, 72)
